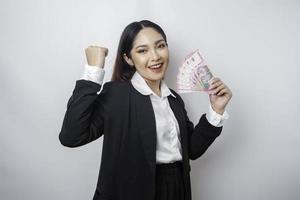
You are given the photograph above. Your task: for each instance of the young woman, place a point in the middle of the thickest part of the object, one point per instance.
(148, 137)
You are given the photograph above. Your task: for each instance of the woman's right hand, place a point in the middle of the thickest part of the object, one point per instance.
(95, 55)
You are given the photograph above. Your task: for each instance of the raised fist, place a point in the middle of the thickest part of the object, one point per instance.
(95, 55)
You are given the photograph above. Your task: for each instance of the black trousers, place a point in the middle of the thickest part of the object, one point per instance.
(169, 181)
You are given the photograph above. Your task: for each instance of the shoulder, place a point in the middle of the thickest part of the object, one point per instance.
(116, 84)
(116, 88)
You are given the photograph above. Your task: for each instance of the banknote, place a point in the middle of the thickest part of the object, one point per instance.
(193, 74)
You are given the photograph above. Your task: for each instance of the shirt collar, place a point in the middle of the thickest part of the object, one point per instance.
(140, 85)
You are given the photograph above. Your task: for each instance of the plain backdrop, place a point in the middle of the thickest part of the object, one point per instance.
(253, 46)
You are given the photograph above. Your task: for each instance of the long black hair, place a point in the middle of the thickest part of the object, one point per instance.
(122, 70)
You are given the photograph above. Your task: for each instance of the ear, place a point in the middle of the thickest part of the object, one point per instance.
(128, 60)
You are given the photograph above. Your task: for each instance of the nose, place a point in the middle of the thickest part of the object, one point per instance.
(155, 55)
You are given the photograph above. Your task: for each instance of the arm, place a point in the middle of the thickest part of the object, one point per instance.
(209, 127)
(83, 120)
(201, 136)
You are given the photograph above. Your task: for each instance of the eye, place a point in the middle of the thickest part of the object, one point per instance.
(142, 51)
(162, 45)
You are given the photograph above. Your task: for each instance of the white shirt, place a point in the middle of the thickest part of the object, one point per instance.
(168, 148)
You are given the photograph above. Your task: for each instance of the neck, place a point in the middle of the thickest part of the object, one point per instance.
(155, 86)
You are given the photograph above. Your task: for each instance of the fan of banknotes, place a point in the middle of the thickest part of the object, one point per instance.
(194, 74)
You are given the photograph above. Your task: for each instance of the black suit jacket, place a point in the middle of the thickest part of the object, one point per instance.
(126, 119)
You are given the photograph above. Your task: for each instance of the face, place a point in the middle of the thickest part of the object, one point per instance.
(149, 55)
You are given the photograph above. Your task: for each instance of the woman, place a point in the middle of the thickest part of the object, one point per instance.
(148, 137)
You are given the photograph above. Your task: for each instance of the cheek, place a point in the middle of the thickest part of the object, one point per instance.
(165, 54)
(166, 57)
(139, 60)
(141, 63)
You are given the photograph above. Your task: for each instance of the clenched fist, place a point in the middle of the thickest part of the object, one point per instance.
(95, 55)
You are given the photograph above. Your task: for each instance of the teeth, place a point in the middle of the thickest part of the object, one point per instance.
(155, 66)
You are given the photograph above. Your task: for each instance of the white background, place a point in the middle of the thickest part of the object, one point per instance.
(253, 46)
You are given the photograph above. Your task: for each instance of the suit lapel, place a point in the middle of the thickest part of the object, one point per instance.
(147, 125)
(178, 112)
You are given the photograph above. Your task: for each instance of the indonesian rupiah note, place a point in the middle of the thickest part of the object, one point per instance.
(194, 74)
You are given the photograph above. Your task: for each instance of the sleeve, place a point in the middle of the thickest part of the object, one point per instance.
(201, 136)
(93, 73)
(84, 118)
(214, 118)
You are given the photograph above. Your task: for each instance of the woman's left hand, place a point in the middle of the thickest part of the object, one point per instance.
(219, 95)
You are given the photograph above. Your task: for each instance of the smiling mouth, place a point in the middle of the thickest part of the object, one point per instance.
(157, 66)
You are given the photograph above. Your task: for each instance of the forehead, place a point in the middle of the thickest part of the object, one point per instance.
(147, 36)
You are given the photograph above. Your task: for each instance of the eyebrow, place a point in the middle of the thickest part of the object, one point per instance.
(146, 45)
